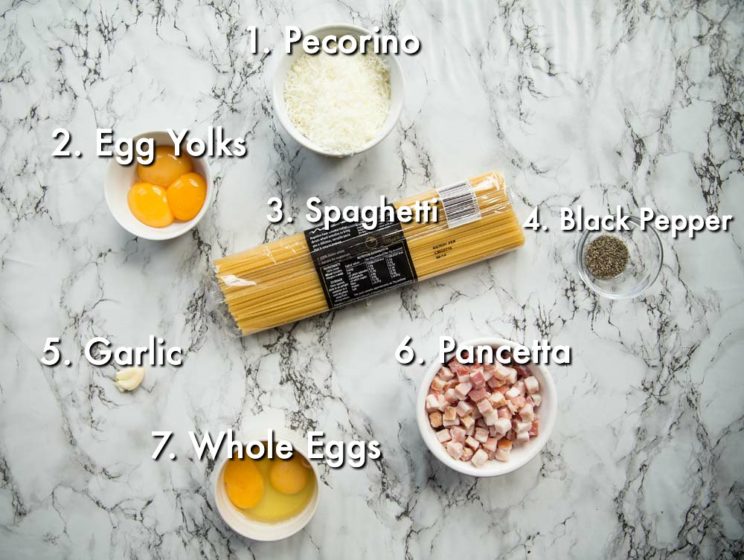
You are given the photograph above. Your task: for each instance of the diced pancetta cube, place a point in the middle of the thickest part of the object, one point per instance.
(531, 384)
(456, 367)
(535, 428)
(462, 390)
(472, 443)
(434, 402)
(445, 373)
(478, 394)
(435, 419)
(481, 434)
(479, 458)
(450, 396)
(467, 454)
(502, 426)
(520, 426)
(527, 413)
(497, 399)
(537, 399)
(450, 417)
(470, 430)
(476, 414)
(490, 444)
(504, 412)
(494, 383)
(503, 449)
(502, 372)
(523, 436)
(455, 449)
(491, 418)
(519, 385)
(443, 436)
(481, 423)
(477, 378)
(468, 422)
(519, 402)
(522, 371)
(512, 393)
(464, 408)
(503, 388)
(512, 379)
(437, 384)
(484, 406)
(463, 378)
(458, 434)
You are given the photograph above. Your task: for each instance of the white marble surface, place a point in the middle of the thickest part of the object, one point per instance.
(635, 105)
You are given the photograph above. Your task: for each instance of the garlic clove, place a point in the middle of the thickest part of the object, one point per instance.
(128, 379)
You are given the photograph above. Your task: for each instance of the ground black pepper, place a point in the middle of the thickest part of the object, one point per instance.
(606, 257)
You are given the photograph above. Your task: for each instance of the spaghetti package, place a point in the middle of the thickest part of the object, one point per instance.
(325, 268)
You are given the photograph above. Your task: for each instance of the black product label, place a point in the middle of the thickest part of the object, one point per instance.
(354, 263)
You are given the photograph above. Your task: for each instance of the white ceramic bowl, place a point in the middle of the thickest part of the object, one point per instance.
(120, 178)
(284, 65)
(520, 454)
(257, 530)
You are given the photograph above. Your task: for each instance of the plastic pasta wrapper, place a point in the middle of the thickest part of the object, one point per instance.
(325, 268)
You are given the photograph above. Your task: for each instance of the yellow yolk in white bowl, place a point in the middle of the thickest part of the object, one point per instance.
(149, 204)
(166, 168)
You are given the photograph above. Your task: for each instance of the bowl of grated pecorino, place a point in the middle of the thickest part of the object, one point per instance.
(486, 419)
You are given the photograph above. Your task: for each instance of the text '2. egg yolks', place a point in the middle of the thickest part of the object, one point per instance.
(166, 168)
(149, 204)
(243, 483)
(289, 476)
(186, 196)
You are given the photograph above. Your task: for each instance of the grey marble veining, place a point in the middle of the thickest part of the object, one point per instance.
(638, 104)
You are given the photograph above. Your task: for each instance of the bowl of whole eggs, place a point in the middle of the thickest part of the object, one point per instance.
(163, 199)
(267, 498)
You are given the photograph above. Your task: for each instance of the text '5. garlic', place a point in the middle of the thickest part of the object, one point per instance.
(129, 378)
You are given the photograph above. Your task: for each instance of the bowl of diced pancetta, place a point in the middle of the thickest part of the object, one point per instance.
(488, 417)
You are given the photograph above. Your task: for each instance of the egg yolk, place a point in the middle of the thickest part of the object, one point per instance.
(289, 476)
(243, 483)
(166, 168)
(186, 196)
(149, 204)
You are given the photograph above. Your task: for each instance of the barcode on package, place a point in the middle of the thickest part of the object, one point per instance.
(460, 204)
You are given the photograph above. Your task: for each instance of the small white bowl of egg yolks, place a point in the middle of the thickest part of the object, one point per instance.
(277, 497)
(164, 199)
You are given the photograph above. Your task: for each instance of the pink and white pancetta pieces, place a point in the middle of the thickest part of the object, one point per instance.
(480, 411)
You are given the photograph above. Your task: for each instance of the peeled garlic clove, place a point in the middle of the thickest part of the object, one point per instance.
(129, 378)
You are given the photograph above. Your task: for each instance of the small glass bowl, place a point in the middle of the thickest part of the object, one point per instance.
(645, 257)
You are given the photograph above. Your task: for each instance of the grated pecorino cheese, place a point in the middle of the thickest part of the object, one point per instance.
(339, 102)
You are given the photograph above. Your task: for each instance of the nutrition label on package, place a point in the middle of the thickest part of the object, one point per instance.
(354, 263)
